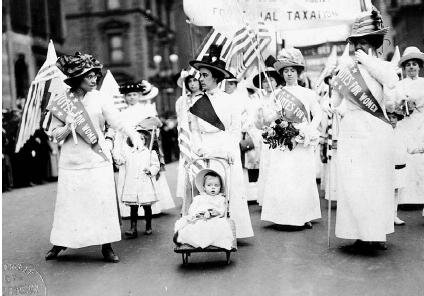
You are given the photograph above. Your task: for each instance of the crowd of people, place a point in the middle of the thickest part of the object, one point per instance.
(256, 139)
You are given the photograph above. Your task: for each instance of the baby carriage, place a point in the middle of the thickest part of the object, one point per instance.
(186, 249)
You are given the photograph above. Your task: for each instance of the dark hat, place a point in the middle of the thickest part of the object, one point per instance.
(74, 66)
(368, 24)
(212, 61)
(130, 87)
(147, 91)
(271, 72)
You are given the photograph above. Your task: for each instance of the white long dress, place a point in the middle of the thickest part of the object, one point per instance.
(215, 142)
(134, 115)
(264, 112)
(413, 129)
(365, 162)
(291, 194)
(86, 211)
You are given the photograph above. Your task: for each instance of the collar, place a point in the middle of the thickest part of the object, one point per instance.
(213, 91)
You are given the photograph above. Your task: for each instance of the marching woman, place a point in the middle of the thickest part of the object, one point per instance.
(138, 96)
(191, 85)
(411, 90)
(217, 133)
(365, 157)
(291, 193)
(264, 116)
(86, 208)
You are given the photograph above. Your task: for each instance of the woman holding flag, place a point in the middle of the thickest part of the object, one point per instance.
(365, 87)
(216, 132)
(291, 196)
(86, 210)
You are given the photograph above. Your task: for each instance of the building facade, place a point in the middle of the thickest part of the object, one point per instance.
(27, 27)
(135, 40)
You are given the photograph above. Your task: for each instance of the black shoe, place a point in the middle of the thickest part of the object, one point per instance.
(148, 231)
(308, 225)
(54, 252)
(382, 246)
(109, 255)
(132, 233)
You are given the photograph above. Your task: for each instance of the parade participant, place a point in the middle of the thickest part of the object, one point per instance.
(366, 89)
(400, 162)
(291, 194)
(138, 96)
(141, 166)
(191, 85)
(216, 132)
(86, 208)
(411, 90)
(206, 224)
(263, 117)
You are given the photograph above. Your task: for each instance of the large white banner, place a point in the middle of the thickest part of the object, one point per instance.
(282, 15)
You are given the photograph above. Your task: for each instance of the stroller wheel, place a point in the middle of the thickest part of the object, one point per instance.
(185, 258)
(228, 255)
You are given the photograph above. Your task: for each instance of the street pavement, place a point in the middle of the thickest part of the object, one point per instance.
(277, 261)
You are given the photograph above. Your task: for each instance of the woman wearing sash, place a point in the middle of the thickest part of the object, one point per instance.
(190, 84)
(86, 208)
(138, 96)
(365, 166)
(411, 90)
(291, 193)
(264, 116)
(218, 133)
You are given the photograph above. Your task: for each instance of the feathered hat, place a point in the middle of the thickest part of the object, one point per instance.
(289, 57)
(368, 24)
(212, 61)
(74, 66)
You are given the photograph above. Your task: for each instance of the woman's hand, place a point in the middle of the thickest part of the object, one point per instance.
(70, 119)
(147, 172)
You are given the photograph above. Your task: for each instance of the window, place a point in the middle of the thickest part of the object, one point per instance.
(112, 4)
(38, 18)
(55, 19)
(19, 15)
(116, 48)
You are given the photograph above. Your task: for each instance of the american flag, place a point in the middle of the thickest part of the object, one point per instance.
(110, 86)
(38, 98)
(246, 45)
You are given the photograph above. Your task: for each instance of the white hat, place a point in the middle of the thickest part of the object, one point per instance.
(289, 57)
(148, 91)
(199, 179)
(410, 53)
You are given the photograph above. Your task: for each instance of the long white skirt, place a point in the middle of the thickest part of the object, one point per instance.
(331, 177)
(263, 172)
(86, 210)
(414, 180)
(365, 178)
(291, 193)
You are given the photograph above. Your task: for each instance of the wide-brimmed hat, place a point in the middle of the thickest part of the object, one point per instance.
(130, 87)
(368, 24)
(199, 179)
(148, 91)
(74, 66)
(289, 57)
(411, 53)
(271, 72)
(212, 61)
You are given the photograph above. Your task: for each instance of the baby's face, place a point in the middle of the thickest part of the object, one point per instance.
(212, 185)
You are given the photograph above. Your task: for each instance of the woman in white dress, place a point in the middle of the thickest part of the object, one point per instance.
(291, 194)
(221, 138)
(365, 156)
(190, 84)
(138, 96)
(86, 211)
(411, 90)
(263, 117)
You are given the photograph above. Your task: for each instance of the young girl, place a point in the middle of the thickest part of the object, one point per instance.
(205, 224)
(139, 183)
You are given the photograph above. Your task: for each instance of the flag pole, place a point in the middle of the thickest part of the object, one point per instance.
(191, 37)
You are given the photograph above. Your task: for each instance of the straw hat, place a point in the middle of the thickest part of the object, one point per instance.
(213, 62)
(289, 57)
(199, 179)
(368, 24)
(74, 66)
(411, 53)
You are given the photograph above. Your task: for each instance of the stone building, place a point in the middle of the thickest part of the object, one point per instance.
(27, 27)
(134, 39)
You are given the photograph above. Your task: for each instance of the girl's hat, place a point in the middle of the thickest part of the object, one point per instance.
(130, 87)
(289, 57)
(212, 61)
(200, 178)
(368, 24)
(74, 66)
(148, 91)
(271, 72)
(411, 53)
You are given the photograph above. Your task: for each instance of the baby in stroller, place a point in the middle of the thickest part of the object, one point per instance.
(205, 224)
